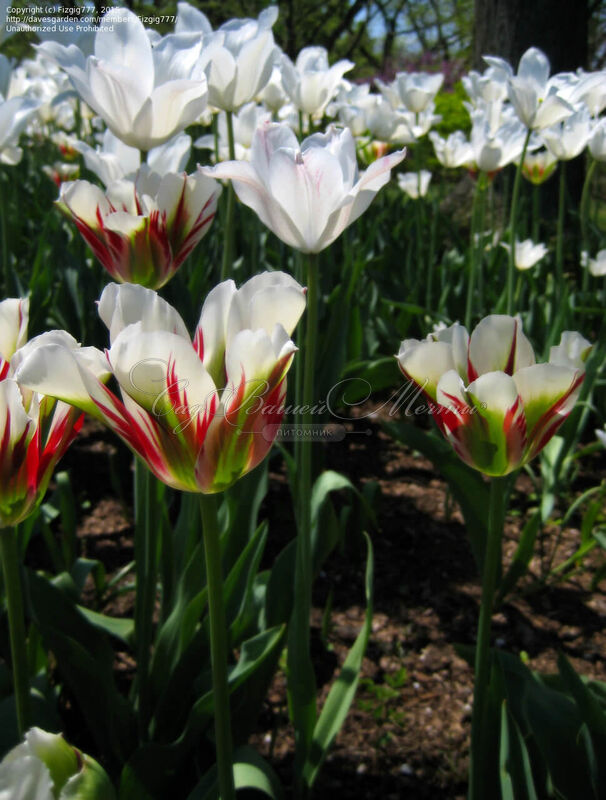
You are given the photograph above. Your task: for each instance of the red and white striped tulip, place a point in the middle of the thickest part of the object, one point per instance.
(142, 230)
(35, 430)
(201, 413)
(496, 406)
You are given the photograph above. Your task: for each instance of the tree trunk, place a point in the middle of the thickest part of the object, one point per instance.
(507, 28)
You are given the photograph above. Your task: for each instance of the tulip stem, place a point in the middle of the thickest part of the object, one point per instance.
(480, 729)
(146, 542)
(301, 678)
(473, 247)
(218, 645)
(16, 625)
(228, 240)
(560, 235)
(4, 237)
(584, 220)
(513, 219)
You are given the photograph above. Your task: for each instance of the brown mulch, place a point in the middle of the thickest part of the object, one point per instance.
(407, 734)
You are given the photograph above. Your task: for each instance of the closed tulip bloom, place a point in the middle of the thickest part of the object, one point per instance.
(414, 184)
(238, 60)
(310, 83)
(414, 90)
(146, 94)
(537, 167)
(201, 413)
(597, 141)
(306, 194)
(35, 430)
(46, 767)
(527, 253)
(142, 230)
(496, 406)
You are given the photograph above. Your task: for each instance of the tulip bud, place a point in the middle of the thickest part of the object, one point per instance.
(45, 767)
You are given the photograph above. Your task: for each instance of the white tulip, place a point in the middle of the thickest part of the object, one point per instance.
(526, 253)
(144, 94)
(414, 184)
(306, 194)
(597, 265)
(535, 97)
(310, 83)
(570, 137)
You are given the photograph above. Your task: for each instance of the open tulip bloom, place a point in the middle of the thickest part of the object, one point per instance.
(199, 413)
(142, 230)
(306, 194)
(145, 93)
(492, 402)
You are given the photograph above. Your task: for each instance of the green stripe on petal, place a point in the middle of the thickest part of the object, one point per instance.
(548, 393)
(499, 433)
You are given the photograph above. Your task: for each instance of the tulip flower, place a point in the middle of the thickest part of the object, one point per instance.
(454, 151)
(273, 95)
(310, 83)
(414, 90)
(570, 137)
(245, 123)
(46, 767)
(535, 97)
(597, 141)
(414, 184)
(238, 59)
(537, 167)
(146, 94)
(198, 413)
(597, 265)
(308, 194)
(14, 116)
(491, 401)
(35, 430)
(142, 230)
(526, 253)
(495, 149)
(114, 160)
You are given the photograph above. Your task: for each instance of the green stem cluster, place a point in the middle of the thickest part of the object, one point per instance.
(228, 242)
(513, 219)
(300, 668)
(480, 733)
(218, 646)
(146, 544)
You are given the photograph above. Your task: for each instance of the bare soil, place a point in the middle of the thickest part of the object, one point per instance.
(407, 734)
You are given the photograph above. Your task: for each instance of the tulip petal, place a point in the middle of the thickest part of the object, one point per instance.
(264, 301)
(548, 393)
(121, 305)
(14, 316)
(497, 343)
(123, 42)
(211, 332)
(424, 363)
